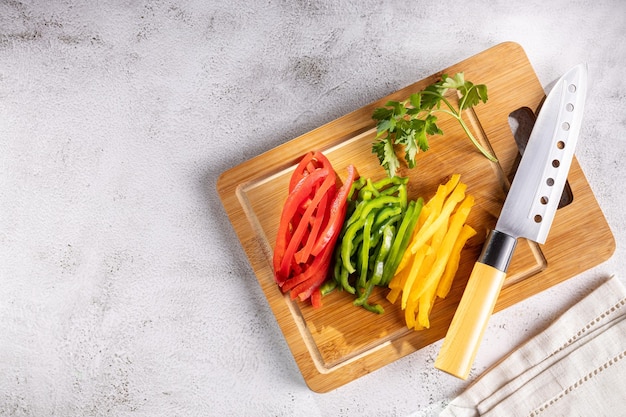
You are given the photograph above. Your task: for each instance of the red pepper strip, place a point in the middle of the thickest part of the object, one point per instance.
(312, 166)
(321, 216)
(298, 278)
(317, 270)
(300, 192)
(283, 236)
(316, 298)
(304, 205)
(337, 213)
(312, 274)
(296, 239)
(306, 166)
(325, 163)
(309, 163)
(315, 277)
(302, 277)
(298, 174)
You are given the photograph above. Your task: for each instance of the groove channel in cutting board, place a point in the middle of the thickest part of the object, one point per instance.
(337, 343)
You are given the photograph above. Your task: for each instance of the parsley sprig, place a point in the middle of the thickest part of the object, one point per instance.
(410, 122)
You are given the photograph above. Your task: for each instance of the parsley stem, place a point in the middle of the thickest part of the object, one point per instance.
(484, 151)
(458, 116)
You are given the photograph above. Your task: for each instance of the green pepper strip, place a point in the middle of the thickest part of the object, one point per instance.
(391, 190)
(401, 192)
(328, 287)
(378, 309)
(384, 214)
(341, 273)
(389, 233)
(380, 184)
(352, 203)
(354, 214)
(347, 240)
(356, 185)
(355, 255)
(378, 232)
(337, 269)
(402, 239)
(365, 248)
(361, 187)
(403, 196)
(343, 281)
(368, 191)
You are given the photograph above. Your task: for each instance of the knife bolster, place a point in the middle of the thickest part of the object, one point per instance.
(498, 250)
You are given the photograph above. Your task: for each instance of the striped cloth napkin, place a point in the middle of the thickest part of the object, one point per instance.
(576, 367)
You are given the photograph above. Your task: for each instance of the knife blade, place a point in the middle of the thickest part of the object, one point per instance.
(528, 212)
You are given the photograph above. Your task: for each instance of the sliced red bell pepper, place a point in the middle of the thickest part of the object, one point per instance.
(304, 284)
(318, 221)
(316, 298)
(337, 213)
(301, 191)
(296, 238)
(316, 273)
(309, 227)
(307, 164)
(299, 173)
(310, 162)
(321, 158)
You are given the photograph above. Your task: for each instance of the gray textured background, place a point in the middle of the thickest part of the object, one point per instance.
(123, 288)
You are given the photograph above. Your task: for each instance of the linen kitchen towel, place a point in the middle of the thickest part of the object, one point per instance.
(576, 367)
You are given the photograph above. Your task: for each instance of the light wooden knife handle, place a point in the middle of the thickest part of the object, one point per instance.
(466, 331)
(470, 320)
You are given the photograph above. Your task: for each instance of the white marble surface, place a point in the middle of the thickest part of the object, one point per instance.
(123, 288)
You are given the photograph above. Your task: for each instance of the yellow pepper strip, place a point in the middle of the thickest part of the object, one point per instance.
(421, 263)
(442, 288)
(441, 242)
(429, 213)
(419, 284)
(413, 273)
(396, 285)
(393, 294)
(437, 239)
(409, 314)
(424, 215)
(426, 302)
(398, 280)
(443, 251)
(429, 264)
(428, 231)
(443, 191)
(445, 283)
(417, 288)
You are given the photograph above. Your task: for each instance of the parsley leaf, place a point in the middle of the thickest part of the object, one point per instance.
(409, 123)
(386, 155)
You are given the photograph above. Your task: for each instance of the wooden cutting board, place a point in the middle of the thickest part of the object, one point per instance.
(338, 342)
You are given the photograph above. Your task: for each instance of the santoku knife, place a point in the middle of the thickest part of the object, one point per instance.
(528, 211)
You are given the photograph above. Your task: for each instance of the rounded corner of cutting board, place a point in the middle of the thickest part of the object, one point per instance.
(511, 45)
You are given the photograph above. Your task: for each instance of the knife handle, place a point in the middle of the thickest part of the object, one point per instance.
(470, 320)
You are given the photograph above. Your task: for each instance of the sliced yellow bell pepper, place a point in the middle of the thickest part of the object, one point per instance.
(431, 260)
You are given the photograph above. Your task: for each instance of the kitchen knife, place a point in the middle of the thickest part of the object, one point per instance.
(527, 212)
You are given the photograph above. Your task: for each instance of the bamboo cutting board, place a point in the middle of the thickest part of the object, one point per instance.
(338, 342)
